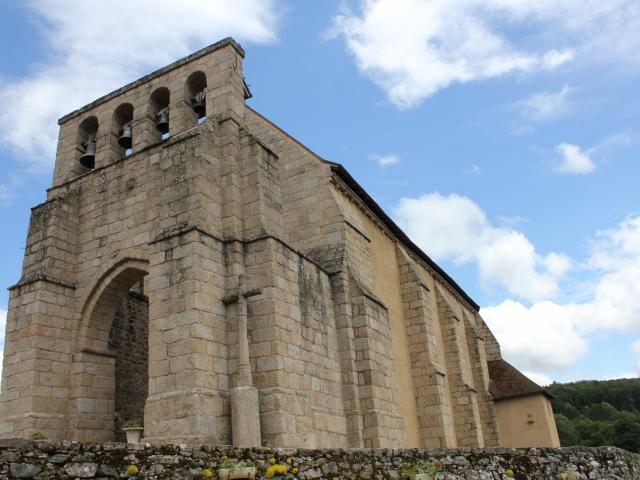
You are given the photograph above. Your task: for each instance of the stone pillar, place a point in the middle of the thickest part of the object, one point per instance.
(347, 357)
(427, 367)
(188, 383)
(461, 385)
(487, 409)
(245, 408)
(40, 320)
(181, 116)
(144, 132)
(383, 426)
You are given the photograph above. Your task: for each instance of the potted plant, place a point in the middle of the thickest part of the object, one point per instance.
(230, 469)
(568, 472)
(422, 470)
(133, 429)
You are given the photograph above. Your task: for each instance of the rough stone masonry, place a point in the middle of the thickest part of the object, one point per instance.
(209, 275)
(60, 460)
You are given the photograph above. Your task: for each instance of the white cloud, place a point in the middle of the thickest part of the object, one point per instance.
(544, 106)
(557, 264)
(541, 379)
(539, 335)
(551, 336)
(454, 227)
(623, 376)
(413, 48)
(473, 169)
(573, 160)
(385, 160)
(99, 46)
(537, 339)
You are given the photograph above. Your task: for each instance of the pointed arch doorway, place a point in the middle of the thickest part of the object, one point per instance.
(110, 374)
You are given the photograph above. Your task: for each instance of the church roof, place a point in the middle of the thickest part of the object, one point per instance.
(346, 177)
(506, 381)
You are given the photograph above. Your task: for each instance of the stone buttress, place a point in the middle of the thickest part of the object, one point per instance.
(264, 297)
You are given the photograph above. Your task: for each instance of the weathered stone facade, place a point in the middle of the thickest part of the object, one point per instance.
(281, 299)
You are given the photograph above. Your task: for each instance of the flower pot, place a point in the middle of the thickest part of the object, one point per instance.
(242, 472)
(134, 434)
(422, 476)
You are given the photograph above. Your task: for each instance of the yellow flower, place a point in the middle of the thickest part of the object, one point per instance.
(206, 473)
(294, 470)
(289, 460)
(509, 473)
(272, 461)
(132, 470)
(276, 470)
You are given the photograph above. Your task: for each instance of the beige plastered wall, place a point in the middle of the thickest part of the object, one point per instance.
(386, 285)
(527, 421)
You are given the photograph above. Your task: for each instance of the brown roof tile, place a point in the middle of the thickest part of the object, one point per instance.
(506, 381)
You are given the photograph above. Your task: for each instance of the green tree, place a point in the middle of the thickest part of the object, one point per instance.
(602, 412)
(598, 413)
(566, 431)
(626, 434)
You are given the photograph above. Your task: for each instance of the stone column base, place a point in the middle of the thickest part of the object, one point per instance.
(186, 416)
(245, 417)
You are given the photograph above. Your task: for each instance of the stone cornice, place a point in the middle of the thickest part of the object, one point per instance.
(40, 277)
(184, 228)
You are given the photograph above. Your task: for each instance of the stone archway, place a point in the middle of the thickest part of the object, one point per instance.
(107, 366)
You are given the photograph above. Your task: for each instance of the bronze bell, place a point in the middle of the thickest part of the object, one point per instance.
(162, 123)
(125, 136)
(88, 158)
(199, 105)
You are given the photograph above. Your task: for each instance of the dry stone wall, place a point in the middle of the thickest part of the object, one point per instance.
(71, 460)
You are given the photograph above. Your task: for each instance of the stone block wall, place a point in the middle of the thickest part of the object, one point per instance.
(251, 247)
(129, 340)
(67, 460)
(293, 345)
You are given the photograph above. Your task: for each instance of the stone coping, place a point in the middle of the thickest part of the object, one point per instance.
(65, 459)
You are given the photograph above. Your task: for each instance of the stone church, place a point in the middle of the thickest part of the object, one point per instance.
(197, 268)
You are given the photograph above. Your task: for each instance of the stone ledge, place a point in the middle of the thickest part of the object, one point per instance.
(40, 277)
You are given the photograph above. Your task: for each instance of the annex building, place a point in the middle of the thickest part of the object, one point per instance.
(199, 269)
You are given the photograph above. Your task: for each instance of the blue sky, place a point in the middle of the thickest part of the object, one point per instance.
(503, 136)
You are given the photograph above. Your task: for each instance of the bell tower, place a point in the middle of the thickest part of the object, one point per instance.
(141, 205)
(198, 269)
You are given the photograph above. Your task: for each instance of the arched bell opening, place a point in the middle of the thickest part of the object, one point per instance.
(86, 142)
(122, 131)
(195, 95)
(159, 110)
(110, 379)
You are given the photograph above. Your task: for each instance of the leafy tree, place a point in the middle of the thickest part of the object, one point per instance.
(566, 431)
(602, 412)
(626, 433)
(598, 413)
